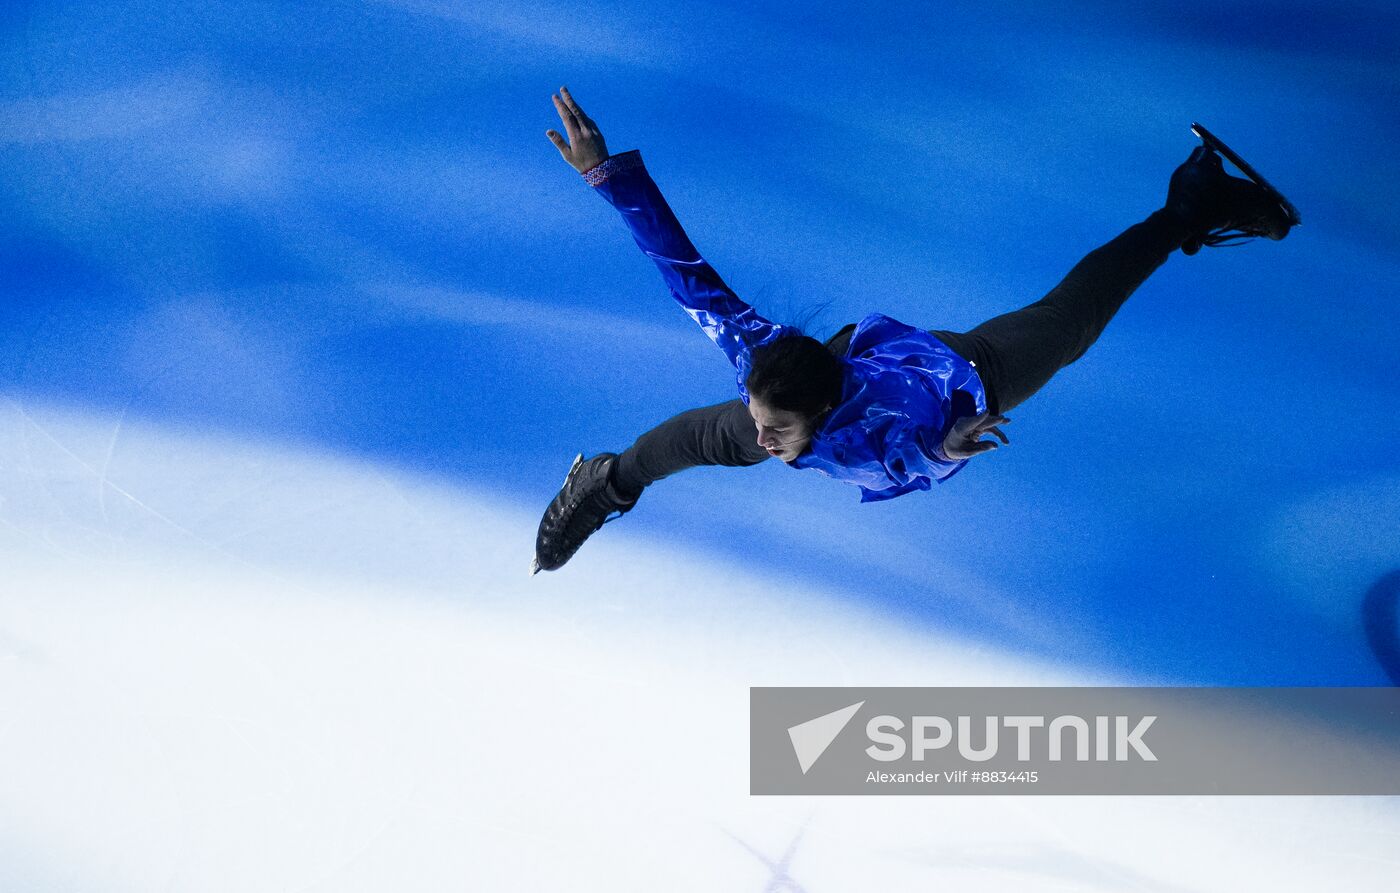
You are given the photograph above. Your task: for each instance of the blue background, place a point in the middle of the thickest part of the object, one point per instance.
(341, 225)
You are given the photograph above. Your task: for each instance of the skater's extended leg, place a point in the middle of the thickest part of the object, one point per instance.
(596, 488)
(1018, 352)
(723, 434)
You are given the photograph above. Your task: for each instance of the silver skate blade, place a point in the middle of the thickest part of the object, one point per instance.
(1216, 143)
(578, 460)
(534, 566)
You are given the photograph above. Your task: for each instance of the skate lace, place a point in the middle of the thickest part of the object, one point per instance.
(612, 515)
(1229, 238)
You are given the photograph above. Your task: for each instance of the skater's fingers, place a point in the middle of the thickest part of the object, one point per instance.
(586, 123)
(567, 117)
(563, 105)
(572, 106)
(558, 142)
(983, 446)
(998, 433)
(969, 424)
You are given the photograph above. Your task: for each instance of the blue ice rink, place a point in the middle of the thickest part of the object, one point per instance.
(305, 319)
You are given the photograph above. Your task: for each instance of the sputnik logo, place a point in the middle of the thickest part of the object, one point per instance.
(811, 738)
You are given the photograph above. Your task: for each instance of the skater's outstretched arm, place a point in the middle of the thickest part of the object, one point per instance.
(624, 182)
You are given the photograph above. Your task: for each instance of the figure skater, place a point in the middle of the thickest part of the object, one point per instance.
(882, 405)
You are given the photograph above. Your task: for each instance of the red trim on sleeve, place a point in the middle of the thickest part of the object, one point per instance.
(611, 165)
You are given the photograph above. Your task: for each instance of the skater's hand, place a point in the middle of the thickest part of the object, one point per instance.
(585, 147)
(964, 440)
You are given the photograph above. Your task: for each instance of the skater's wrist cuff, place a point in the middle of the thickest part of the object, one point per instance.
(613, 164)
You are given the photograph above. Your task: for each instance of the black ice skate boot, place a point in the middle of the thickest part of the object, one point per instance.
(582, 506)
(1218, 209)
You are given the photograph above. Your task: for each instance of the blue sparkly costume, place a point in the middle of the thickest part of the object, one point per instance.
(897, 400)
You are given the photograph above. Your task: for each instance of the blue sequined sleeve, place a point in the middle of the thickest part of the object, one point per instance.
(730, 322)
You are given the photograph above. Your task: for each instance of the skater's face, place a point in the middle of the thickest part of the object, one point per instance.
(783, 434)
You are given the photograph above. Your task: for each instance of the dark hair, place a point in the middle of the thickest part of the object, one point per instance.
(796, 373)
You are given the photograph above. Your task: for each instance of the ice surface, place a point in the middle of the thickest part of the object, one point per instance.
(226, 665)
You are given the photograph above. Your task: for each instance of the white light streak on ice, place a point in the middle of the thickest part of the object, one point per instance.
(231, 666)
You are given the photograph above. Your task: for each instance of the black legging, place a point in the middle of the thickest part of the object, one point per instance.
(1015, 354)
